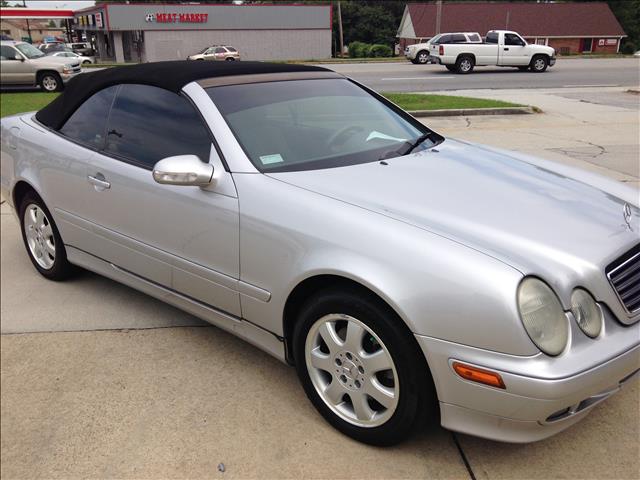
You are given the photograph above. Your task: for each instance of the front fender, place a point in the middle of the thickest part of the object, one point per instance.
(438, 287)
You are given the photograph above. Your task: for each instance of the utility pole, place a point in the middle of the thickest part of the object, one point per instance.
(24, 3)
(438, 16)
(340, 29)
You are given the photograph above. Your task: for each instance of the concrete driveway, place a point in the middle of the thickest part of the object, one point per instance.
(100, 381)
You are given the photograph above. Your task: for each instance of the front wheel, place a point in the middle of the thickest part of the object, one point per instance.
(360, 368)
(50, 82)
(422, 57)
(539, 64)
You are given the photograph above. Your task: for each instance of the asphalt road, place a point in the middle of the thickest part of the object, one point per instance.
(570, 72)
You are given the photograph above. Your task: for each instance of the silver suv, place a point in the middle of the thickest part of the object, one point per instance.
(217, 52)
(23, 64)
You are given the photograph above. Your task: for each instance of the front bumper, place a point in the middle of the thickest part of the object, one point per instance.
(552, 61)
(543, 395)
(68, 76)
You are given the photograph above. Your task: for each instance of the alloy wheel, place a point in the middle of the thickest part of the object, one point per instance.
(352, 371)
(49, 83)
(39, 234)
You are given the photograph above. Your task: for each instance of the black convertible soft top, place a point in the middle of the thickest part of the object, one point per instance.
(168, 75)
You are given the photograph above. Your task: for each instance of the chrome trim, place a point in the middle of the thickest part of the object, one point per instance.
(635, 258)
(265, 77)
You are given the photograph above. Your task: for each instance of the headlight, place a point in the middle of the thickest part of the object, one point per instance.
(587, 312)
(542, 316)
(67, 69)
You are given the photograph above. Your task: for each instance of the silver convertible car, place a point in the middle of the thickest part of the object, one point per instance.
(408, 277)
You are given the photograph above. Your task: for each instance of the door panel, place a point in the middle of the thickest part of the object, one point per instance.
(184, 238)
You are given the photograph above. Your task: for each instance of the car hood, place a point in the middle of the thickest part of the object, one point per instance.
(534, 219)
(51, 60)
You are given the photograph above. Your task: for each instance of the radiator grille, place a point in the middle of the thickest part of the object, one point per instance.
(624, 275)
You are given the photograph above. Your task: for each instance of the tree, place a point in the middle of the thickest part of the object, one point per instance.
(370, 21)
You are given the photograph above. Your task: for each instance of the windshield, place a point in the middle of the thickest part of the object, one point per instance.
(312, 124)
(29, 50)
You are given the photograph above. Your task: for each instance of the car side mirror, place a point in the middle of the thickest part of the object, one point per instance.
(183, 170)
(18, 57)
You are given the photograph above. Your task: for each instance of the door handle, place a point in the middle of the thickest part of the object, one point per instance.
(506, 49)
(98, 182)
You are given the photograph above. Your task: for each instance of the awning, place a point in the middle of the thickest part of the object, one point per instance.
(35, 13)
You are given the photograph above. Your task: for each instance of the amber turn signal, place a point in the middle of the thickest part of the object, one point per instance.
(479, 375)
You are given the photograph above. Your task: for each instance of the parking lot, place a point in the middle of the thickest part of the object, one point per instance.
(101, 381)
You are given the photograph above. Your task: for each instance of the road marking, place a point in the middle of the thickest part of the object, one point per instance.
(601, 85)
(420, 78)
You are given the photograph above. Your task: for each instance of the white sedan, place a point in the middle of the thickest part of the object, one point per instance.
(82, 59)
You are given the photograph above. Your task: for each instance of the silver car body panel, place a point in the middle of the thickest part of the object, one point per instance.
(427, 232)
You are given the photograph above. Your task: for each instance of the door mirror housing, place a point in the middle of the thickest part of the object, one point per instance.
(18, 57)
(183, 170)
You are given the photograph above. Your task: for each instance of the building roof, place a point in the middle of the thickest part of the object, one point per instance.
(592, 19)
(168, 75)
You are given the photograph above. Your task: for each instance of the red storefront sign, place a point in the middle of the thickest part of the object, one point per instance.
(181, 17)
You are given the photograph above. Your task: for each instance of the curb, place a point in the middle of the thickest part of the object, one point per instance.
(465, 112)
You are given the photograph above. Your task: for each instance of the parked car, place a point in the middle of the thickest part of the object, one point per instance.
(217, 52)
(72, 55)
(501, 47)
(53, 47)
(23, 64)
(81, 48)
(421, 52)
(312, 217)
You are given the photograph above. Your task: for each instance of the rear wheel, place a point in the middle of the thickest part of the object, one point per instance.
(360, 368)
(464, 64)
(539, 64)
(42, 239)
(50, 82)
(230, 59)
(422, 57)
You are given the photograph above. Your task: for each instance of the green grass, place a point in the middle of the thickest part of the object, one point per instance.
(12, 103)
(417, 101)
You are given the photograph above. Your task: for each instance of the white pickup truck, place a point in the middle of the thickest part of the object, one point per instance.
(501, 47)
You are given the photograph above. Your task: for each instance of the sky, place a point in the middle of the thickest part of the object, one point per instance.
(67, 4)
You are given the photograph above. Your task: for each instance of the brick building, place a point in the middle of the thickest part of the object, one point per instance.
(567, 27)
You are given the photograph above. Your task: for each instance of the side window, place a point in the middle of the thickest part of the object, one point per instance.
(458, 38)
(7, 53)
(221, 50)
(231, 49)
(444, 39)
(88, 123)
(511, 39)
(474, 37)
(492, 37)
(148, 124)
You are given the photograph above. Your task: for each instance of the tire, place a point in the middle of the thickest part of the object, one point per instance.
(422, 57)
(539, 63)
(465, 64)
(229, 59)
(86, 62)
(50, 82)
(451, 68)
(376, 338)
(42, 239)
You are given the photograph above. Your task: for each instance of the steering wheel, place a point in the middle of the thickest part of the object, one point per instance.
(339, 138)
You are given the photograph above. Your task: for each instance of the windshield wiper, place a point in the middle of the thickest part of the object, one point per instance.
(409, 146)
